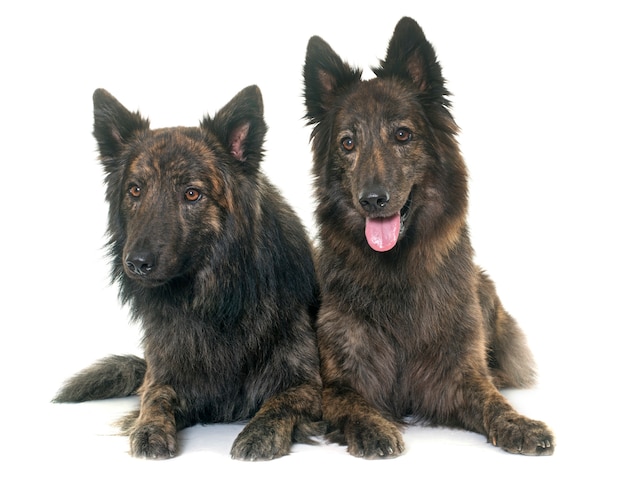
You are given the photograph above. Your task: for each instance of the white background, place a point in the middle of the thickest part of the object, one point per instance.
(539, 94)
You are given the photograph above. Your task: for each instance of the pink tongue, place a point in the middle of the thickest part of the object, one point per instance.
(382, 233)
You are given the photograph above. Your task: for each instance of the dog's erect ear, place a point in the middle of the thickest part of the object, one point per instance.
(113, 124)
(325, 75)
(411, 56)
(240, 126)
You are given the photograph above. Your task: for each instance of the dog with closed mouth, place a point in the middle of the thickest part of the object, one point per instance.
(218, 269)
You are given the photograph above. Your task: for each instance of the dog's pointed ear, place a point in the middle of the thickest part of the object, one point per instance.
(411, 56)
(325, 75)
(113, 124)
(240, 126)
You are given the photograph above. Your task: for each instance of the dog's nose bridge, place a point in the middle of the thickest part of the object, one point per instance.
(372, 193)
(144, 243)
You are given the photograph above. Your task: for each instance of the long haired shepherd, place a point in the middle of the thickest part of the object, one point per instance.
(219, 271)
(409, 326)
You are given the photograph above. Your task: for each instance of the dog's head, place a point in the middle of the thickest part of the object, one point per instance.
(386, 159)
(170, 191)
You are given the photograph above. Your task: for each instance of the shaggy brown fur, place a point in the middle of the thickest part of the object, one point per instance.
(219, 271)
(408, 325)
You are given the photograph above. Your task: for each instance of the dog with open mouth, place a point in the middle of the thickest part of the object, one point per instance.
(409, 328)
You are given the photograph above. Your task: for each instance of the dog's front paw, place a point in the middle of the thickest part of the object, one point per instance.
(152, 442)
(262, 440)
(520, 435)
(373, 438)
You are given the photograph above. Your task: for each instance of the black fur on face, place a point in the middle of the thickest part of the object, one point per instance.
(385, 146)
(168, 188)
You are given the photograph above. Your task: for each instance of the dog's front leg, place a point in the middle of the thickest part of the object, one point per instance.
(487, 411)
(153, 435)
(289, 416)
(355, 423)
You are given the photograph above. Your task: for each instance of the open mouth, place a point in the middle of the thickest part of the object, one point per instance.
(404, 212)
(383, 233)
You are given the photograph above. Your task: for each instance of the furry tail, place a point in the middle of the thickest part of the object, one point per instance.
(113, 376)
(510, 359)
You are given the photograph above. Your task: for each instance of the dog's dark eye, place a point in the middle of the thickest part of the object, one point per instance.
(347, 143)
(134, 191)
(192, 194)
(403, 135)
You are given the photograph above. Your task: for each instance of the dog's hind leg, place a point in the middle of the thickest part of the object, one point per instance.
(292, 415)
(510, 361)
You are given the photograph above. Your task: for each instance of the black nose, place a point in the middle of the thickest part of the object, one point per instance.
(140, 263)
(374, 200)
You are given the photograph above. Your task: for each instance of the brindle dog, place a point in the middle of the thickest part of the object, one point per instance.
(218, 270)
(409, 327)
